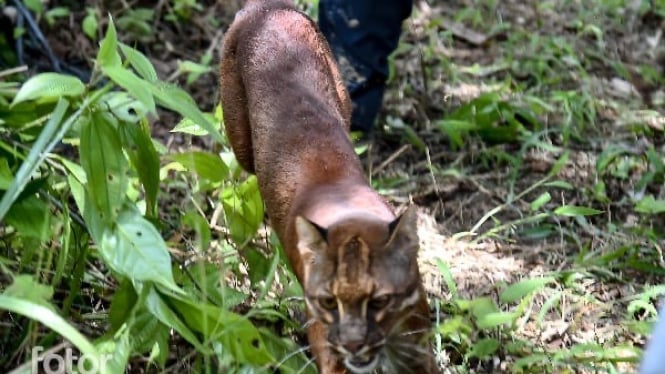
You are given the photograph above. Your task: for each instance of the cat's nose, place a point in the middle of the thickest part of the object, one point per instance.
(353, 346)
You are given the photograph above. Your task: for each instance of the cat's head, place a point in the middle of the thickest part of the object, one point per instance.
(361, 280)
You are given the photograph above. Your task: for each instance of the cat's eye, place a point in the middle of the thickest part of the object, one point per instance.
(328, 302)
(379, 302)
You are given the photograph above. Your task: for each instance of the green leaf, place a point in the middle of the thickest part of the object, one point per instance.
(608, 156)
(243, 209)
(236, 333)
(108, 55)
(447, 275)
(38, 152)
(140, 63)
(548, 306)
(481, 306)
(56, 12)
(31, 217)
(259, 263)
(75, 170)
(641, 307)
(155, 303)
(151, 335)
(559, 164)
(90, 23)
(188, 126)
(176, 99)
(117, 349)
(134, 248)
(144, 157)
(543, 199)
(132, 83)
(649, 205)
(559, 184)
(123, 303)
(575, 211)
(124, 107)
(35, 5)
(294, 361)
(6, 176)
(105, 166)
(491, 320)
(200, 226)
(456, 129)
(49, 87)
(524, 287)
(26, 288)
(531, 360)
(455, 328)
(193, 69)
(207, 165)
(50, 319)
(484, 348)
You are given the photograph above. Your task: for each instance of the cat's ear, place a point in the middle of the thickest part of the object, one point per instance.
(311, 237)
(404, 231)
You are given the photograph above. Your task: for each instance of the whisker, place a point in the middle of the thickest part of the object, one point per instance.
(309, 322)
(400, 322)
(302, 369)
(396, 362)
(406, 348)
(292, 354)
(413, 332)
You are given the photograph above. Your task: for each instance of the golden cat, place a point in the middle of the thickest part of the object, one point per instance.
(287, 114)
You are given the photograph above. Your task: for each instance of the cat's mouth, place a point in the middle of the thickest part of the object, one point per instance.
(361, 365)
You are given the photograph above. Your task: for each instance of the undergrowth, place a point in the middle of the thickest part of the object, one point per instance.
(150, 257)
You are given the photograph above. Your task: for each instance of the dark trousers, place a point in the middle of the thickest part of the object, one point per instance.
(362, 34)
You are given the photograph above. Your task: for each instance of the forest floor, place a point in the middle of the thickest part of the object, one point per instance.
(484, 99)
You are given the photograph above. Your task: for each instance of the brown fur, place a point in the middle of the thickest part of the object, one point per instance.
(286, 113)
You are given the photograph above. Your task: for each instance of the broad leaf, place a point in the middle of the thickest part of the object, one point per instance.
(236, 333)
(6, 176)
(31, 217)
(188, 126)
(142, 153)
(108, 50)
(201, 228)
(523, 288)
(90, 23)
(496, 319)
(139, 62)
(116, 350)
(176, 99)
(484, 348)
(133, 84)
(207, 165)
(650, 205)
(134, 248)
(243, 209)
(50, 319)
(26, 288)
(125, 107)
(163, 312)
(105, 166)
(49, 87)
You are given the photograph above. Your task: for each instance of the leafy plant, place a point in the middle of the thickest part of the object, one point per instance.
(115, 187)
